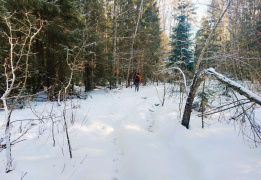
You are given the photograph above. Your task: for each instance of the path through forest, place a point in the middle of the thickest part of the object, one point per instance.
(127, 135)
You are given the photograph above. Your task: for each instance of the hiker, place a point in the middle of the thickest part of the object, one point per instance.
(137, 81)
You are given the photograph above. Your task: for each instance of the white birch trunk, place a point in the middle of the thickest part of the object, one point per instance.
(8, 166)
(3, 98)
(65, 104)
(10, 81)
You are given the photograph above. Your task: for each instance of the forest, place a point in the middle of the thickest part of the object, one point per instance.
(50, 48)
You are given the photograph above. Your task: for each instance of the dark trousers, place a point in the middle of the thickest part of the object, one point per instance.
(137, 84)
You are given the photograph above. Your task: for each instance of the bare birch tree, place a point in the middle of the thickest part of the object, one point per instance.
(19, 53)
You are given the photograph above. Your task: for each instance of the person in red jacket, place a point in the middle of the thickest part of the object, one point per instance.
(137, 81)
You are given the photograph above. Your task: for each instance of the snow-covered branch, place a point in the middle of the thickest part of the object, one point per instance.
(87, 45)
(235, 86)
(183, 75)
(200, 76)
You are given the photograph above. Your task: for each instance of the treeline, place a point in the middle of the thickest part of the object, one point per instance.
(99, 42)
(235, 48)
(229, 40)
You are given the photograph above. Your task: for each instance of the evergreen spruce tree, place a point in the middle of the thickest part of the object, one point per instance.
(72, 24)
(62, 31)
(96, 62)
(181, 53)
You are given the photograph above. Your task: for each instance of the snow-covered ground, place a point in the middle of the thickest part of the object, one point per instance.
(125, 135)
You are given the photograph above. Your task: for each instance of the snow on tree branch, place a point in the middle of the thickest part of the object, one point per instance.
(232, 84)
(199, 77)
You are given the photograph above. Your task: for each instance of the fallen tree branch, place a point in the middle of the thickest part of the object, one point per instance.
(221, 110)
(235, 86)
(200, 76)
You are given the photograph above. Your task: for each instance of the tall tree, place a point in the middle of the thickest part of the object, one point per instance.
(149, 41)
(235, 46)
(181, 52)
(95, 39)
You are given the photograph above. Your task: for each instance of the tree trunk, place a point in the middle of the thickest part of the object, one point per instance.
(87, 77)
(8, 167)
(198, 78)
(115, 36)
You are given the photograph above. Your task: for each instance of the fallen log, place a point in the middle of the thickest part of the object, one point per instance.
(199, 77)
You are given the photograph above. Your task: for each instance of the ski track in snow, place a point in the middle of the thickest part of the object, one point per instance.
(122, 120)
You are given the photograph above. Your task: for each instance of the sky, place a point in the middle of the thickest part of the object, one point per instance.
(167, 12)
(201, 6)
(201, 10)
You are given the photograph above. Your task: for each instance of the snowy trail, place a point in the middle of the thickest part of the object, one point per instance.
(129, 136)
(132, 121)
(141, 150)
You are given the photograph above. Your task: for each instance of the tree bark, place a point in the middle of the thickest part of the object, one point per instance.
(188, 107)
(115, 24)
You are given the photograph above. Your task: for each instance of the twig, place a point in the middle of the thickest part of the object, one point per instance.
(23, 175)
(84, 159)
(221, 110)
